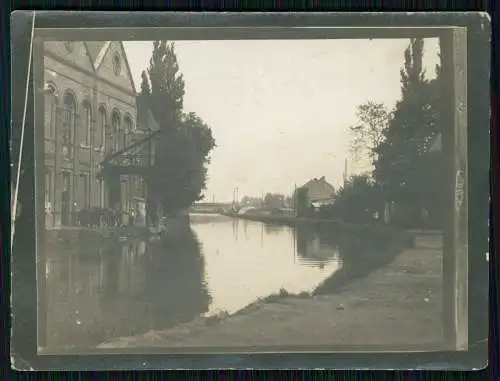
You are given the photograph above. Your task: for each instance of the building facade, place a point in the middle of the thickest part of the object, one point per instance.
(319, 192)
(90, 112)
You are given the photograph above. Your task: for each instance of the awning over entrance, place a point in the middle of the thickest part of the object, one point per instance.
(135, 159)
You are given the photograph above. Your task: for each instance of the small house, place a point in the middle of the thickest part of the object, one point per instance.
(319, 192)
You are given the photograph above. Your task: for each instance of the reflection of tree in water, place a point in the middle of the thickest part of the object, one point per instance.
(271, 229)
(361, 251)
(303, 236)
(314, 246)
(175, 286)
(112, 257)
(156, 289)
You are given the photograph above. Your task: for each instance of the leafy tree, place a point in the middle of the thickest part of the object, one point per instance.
(301, 202)
(274, 200)
(412, 73)
(180, 169)
(357, 200)
(183, 147)
(401, 165)
(369, 132)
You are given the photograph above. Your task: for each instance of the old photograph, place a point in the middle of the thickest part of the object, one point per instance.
(245, 194)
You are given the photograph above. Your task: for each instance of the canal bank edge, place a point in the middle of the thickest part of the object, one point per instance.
(396, 306)
(293, 221)
(92, 235)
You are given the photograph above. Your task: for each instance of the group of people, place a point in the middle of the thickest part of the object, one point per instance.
(99, 217)
(102, 217)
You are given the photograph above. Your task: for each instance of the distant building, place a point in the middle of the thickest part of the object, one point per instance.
(319, 192)
(90, 113)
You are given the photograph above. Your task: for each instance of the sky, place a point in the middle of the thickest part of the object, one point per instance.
(280, 110)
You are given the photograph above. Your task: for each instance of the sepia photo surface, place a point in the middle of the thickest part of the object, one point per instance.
(247, 194)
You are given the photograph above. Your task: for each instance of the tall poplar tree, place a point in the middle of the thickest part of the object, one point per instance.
(401, 167)
(183, 147)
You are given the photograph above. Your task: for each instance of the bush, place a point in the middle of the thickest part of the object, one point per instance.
(357, 202)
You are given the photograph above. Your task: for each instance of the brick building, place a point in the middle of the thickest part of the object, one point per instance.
(90, 113)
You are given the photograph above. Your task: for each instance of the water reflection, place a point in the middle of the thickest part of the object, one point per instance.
(274, 229)
(110, 289)
(124, 289)
(175, 285)
(314, 248)
(257, 260)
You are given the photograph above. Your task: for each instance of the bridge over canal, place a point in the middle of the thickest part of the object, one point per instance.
(209, 207)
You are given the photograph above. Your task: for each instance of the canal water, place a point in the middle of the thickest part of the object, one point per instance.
(215, 265)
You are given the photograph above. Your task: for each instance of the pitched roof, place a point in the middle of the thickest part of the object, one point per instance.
(319, 190)
(127, 64)
(94, 48)
(100, 57)
(97, 51)
(317, 181)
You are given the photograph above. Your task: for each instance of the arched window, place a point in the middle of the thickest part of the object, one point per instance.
(68, 131)
(100, 131)
(87, 124)
(115, 120)
(50, 111)
(127, 131)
